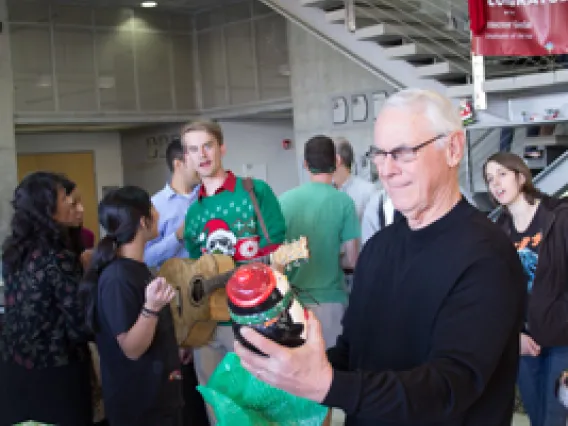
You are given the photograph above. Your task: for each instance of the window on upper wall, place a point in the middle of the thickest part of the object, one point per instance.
(115, 59)
(115, 64)
(212, 67)
(183, 72)
(32, 68)
(272, 57)
(240, 63)
(75, 68)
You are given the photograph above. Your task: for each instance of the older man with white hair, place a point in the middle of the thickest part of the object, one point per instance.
(431, 334)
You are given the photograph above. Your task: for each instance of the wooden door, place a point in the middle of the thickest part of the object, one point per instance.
(78, 167)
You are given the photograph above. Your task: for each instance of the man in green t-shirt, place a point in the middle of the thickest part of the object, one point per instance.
(223, 220)
(329, 219)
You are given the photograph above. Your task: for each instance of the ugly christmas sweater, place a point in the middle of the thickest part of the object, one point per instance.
(226, 222)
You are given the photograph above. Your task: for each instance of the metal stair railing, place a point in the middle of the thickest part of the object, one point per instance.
(470, 155)
(445, 25)
(516, 65)
(445, 19)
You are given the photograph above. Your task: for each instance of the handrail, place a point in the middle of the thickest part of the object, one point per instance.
(366, 11)
(357, 57)
(350, 20)
(484, 136)
(469, 157)
(439, 30)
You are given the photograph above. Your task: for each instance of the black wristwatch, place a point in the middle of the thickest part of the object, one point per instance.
(149, 313)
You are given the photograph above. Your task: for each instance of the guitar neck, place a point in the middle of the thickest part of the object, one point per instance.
(262, 259)
(209, 285)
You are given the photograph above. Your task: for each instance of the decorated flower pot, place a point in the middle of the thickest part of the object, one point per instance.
(261, 298)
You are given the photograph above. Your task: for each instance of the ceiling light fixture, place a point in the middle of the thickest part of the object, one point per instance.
(149, 4)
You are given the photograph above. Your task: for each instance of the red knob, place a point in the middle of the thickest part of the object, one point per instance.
(251, 285)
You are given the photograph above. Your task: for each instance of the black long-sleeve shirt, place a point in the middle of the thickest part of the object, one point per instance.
(431, 335)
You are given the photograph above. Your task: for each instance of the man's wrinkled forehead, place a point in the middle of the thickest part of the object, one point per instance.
(399, 126)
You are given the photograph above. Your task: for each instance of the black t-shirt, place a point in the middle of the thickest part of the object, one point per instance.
(135, 392)
(527, 244)
(431, 333)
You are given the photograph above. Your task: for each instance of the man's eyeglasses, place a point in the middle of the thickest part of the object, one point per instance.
(403, 154)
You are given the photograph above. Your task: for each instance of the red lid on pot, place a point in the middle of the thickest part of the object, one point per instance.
(251, 285)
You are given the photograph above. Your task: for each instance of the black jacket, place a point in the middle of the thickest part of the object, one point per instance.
(431, 333)
(548, 304)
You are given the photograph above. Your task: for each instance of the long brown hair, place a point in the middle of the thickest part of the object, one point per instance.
(515, 164)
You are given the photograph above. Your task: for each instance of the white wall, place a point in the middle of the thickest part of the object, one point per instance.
(318, 73)
(261, 143)
(138, 170)
(258, 142)
(106, 146)
(150, 62)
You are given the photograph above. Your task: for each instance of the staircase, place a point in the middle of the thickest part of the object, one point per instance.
(430, 41)
(426, 43)
(418, 43)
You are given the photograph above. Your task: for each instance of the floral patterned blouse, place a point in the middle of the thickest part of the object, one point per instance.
(44, 322)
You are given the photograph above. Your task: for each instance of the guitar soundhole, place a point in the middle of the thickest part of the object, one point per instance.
(197, 291)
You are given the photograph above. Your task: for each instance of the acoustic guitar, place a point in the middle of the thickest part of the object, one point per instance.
(201, 300)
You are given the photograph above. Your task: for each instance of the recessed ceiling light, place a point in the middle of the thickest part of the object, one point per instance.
(149, 4)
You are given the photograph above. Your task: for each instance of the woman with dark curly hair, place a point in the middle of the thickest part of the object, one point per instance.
(44, 358)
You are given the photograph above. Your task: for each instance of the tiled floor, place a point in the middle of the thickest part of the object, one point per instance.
(338, 419)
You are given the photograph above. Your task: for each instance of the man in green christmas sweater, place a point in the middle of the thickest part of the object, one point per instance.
(224, 220)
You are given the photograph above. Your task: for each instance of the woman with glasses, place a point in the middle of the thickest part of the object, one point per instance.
(44, 358)
(538, 227)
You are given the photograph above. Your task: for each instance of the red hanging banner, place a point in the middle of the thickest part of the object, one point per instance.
(519, 27)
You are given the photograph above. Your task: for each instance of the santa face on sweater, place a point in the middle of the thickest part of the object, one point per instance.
(219, 239)
(220, 242)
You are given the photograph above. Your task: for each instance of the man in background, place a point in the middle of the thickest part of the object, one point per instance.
(379, 213)
(327, 217)
(172, 203)
(357, 188)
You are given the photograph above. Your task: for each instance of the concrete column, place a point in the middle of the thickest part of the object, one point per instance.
(8, 165)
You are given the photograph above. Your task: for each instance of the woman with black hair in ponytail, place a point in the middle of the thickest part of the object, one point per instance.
(127, 309)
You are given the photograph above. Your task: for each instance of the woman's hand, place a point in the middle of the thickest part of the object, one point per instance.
(158, 294)
(529, 346)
